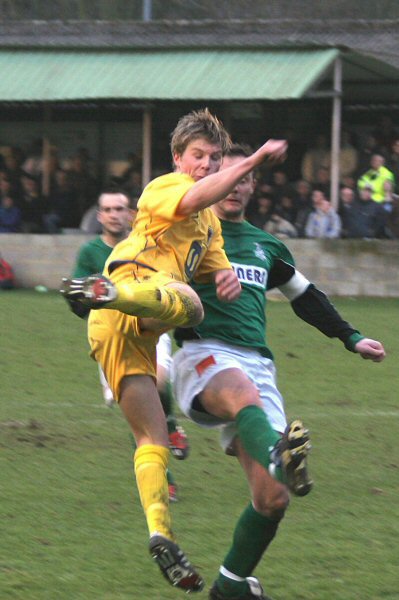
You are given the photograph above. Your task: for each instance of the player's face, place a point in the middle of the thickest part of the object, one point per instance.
(114, 214)
(232, 208)
(199, 159)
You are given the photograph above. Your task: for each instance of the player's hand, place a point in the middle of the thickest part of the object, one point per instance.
(370, 350)
(228, 288)
(274, 151)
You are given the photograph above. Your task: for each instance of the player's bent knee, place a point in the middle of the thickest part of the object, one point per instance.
(197, 316)
(194, 315)
(194, 312)
(273, 505)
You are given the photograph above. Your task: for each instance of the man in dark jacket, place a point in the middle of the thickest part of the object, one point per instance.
(362, 217)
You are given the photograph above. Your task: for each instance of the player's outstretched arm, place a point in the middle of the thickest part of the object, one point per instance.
(314, 307)
(370, 350)
(217, 186)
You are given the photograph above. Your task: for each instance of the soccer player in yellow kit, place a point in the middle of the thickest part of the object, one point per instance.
(144, 290)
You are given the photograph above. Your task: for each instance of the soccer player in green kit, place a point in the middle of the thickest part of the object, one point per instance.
(224, 375)
(116, 217)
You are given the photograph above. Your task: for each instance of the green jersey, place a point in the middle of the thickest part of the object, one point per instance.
(91, 258)
(256, 257)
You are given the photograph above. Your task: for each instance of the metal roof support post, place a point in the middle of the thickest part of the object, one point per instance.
(146, 150)
(46, 151)
(147, 10)
(336, 133)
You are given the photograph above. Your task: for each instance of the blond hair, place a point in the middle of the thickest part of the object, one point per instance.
(199, 124)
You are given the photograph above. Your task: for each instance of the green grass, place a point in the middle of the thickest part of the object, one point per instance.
(71, 526)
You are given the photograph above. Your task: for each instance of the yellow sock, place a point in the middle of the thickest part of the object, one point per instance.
(149, 300)
(150, 463)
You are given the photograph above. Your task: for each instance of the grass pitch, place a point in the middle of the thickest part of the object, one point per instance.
(71, 526)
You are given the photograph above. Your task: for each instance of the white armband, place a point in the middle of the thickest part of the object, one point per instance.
(295, 286)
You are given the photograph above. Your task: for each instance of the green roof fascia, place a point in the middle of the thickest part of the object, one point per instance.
(186, 74)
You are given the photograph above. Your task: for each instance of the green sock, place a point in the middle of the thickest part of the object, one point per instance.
(171, 423)
(170, 478)
(252, 535)
(167, 405)
(256, 434)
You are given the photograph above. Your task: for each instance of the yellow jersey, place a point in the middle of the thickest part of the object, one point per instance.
(182, 247)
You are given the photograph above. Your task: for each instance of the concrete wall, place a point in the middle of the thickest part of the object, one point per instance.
(339, 267)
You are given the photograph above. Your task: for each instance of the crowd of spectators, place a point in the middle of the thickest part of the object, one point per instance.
(53, 198)
(290, 201)
(368, 196)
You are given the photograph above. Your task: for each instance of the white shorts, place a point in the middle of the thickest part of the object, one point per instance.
(198, 361)
(164, 352)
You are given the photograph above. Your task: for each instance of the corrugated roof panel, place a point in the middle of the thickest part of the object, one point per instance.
(49, 75)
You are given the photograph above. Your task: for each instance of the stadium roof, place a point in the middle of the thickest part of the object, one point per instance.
(375, 37)
(54, 75)
(265, 59)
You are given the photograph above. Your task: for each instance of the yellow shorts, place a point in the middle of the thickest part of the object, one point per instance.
(119, 346)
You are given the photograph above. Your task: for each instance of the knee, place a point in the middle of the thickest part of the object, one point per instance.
(273, 505)
(197, 314)
(192, 303)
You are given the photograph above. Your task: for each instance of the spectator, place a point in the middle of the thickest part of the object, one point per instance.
(134, 165)
(391, 207)
(317, 156)
(323, 181)
(347, 211)
(286, 207)
(393, 161)
(375, 177)
(53, 167)
(366, 219)
(368, 147)
(63, 205)
(389, 195)
(303, 194)
(33, 163)
(280, 228)
(88, 162)
(33, 206)
(346, 196)
(392, 222)
(323, 221)
(385, 133)
(134, 184)
(264, 209)
(6, 188)
(10, 215)
(349, 181)
(348, 157)
(83, 184)
(261, 187)
(36, 164)
(303, 205)
(12, 161)
(280, 184)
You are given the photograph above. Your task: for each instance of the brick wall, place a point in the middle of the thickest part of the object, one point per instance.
(339, 267)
